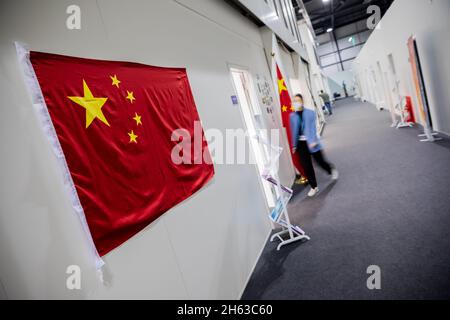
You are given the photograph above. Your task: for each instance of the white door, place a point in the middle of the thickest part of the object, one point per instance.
(255, 126)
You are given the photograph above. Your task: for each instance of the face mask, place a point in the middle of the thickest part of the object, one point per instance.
(297, 106)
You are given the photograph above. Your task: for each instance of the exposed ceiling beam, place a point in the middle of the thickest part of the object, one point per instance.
(339, 13)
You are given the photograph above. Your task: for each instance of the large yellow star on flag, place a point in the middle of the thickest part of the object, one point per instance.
(93, 105)
(281, 86)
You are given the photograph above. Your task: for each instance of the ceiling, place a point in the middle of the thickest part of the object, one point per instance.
(337, 13)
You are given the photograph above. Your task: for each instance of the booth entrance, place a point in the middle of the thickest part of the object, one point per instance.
(254, 125)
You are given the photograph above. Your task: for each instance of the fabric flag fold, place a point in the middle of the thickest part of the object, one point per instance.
(286, 110)
(115, 123)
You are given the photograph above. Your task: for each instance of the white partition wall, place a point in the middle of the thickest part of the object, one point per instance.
(271, 49)
(205, 247)
(386, 49)
(279, 16)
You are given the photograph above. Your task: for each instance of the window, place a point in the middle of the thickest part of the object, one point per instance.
(283, 9)
(294, 22)
(289, 16)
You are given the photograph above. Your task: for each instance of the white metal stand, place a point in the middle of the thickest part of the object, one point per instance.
(295, 234)
(429, 136)
(291, 233)
(380, 105)
(402, 124)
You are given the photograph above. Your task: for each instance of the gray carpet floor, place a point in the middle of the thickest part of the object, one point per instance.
(390, 208)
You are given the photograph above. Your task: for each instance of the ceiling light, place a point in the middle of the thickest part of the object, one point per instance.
(329, 30)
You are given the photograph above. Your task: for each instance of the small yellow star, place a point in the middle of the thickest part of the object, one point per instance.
(133, 137)
(137, 118)
(285, 109)
(292, 109)
(115, 81)
(130, 96)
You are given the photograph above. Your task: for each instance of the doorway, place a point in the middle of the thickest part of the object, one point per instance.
(255, 126)
(394, 83)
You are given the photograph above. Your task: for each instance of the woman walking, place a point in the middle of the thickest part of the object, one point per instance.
(306, 143)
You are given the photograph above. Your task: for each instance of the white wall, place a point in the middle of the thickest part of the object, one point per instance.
(343, 76)
(296, 82)
(317, 76)
(429, 22)
(279, 16)
(274, 58)
(205, 247)
(335, 87)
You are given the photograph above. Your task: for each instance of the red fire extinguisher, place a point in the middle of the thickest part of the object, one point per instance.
(409, 111)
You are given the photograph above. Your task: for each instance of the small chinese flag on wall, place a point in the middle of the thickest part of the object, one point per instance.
(114, 122)
(286, 110)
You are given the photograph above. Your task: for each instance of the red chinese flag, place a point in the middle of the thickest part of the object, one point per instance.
(114, 122)
(286, 109)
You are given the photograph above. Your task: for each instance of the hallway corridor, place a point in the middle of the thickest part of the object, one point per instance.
(390, 208)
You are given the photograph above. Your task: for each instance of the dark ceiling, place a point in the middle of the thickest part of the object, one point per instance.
(338, 13)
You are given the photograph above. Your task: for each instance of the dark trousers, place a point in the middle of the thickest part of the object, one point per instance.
(306, 162)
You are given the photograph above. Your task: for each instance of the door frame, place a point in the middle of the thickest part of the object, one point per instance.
(254, 99)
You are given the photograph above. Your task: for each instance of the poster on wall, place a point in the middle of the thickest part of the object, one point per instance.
(265, 96)
(419, 85)
(111, 126)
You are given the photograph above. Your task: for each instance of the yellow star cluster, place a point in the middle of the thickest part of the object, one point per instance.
(133, 138)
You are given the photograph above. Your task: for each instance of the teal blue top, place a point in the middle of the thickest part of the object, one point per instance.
(304, 123)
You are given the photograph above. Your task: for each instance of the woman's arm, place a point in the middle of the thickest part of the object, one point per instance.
(294, 122)
(311, 129)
